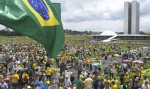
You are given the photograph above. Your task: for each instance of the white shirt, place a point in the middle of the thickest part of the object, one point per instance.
(67, 74)
(68, 83)
(57, 76)
(4, 86)
(124, 65)
(145, 87)
(23, 60)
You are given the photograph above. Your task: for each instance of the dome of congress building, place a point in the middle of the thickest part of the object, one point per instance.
(108, 33)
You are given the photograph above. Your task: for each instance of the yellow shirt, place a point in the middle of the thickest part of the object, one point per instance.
(25, 75)
(43, 68)
(15, 78)
(48, 72)
(106, 81)
(81, 76)
(116, 81)
(88, 82)
(114, 86)
(52, 60)
(48, 82)
(126, 78)
(52, 70)
(60, 87)
(34, 65)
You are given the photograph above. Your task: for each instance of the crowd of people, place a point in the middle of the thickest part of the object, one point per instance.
(27, 66)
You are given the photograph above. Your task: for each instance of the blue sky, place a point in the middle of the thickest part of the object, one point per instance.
(99, 15)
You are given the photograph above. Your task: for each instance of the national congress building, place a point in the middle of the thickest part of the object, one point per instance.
(131, 17)
(131, 24)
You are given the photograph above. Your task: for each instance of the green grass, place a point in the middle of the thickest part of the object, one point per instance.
(27, 39)
(75, 38)
(16, 39)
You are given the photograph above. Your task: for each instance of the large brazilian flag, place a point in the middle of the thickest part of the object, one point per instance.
(37, 19)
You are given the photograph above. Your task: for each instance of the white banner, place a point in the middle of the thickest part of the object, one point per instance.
(53, 86)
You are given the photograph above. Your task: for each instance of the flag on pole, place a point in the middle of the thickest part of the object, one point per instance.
(37, 19)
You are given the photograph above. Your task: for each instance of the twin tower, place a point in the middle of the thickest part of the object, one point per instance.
(131, 17)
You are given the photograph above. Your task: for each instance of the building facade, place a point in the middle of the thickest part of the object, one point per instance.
(135, 17)
(131, 17)
(127, 18)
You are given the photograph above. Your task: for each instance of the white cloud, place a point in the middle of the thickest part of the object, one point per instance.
(99, 15)
(145, 23)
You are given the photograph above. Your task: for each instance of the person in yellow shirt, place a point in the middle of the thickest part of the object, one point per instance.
(15, 78)
(114, 85)
(34, 65)
(52, 70)
(25, 78)
(115, 80)
(43, 68)
(88, 83)
(48, 73)
(107, 81)
(126, 78)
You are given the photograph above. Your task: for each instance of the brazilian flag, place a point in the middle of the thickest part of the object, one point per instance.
(37, 19)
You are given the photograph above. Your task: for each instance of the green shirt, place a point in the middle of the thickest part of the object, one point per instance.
(78, 84)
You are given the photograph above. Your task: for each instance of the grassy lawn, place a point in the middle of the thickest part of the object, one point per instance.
(67, 38)
(27, 39)
(75, 38)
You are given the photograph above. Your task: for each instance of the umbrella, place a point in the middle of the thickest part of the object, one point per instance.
(126, 60)
(116, 55)
(138, 61)
(7, 79)
(41, 84)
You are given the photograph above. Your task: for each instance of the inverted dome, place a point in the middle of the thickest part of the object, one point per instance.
(108, 33)
(146, 31)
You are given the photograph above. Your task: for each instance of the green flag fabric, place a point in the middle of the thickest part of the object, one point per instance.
(37, 19)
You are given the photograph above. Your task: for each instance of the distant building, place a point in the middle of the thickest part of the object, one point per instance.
(131, 17)
(123, 37)
(127, 18)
